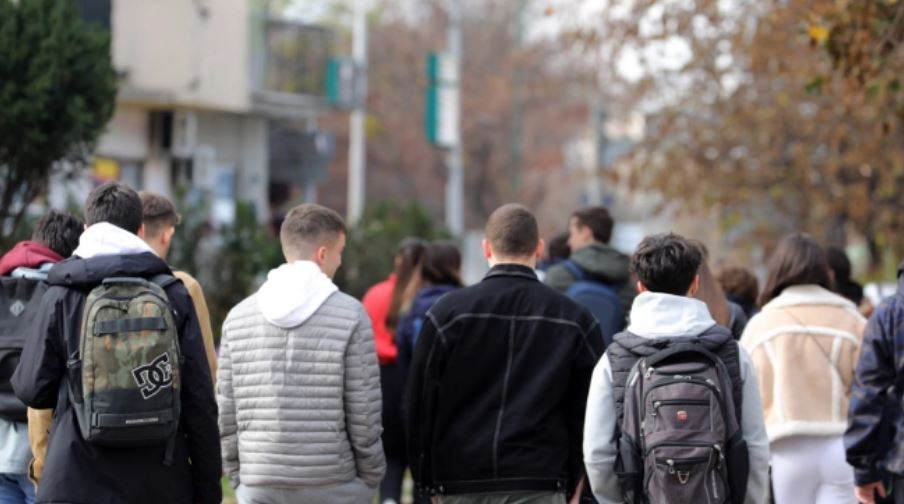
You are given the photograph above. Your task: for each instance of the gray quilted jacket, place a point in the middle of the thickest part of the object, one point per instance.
(300, 406)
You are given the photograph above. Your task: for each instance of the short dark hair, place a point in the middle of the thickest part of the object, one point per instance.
(116, 203)
(158, 213)
(666, 263)
(58, 231)
(558, 248)
(844, 284)
(839, 263)
(798, 260)
(599, 221)
(307, 227)
(512, 231)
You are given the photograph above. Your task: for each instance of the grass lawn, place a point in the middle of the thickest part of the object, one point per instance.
(228, 494)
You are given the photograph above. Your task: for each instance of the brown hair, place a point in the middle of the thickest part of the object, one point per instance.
(710, 292)
(440, 265)
(307, 227)
(159, 213)
(798, 260)
(740, 284)
(58, 231)
(512, 231)
(599, 221)
(409, 255)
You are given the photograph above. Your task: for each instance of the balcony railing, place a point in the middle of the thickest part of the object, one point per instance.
(289, 63)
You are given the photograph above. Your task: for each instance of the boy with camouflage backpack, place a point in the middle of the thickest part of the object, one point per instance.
(116, 350)
(674, 413)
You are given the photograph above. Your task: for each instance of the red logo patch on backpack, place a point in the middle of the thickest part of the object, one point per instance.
(682, 416)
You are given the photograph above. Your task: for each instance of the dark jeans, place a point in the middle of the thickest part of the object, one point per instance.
(897, 491)
(392, 385)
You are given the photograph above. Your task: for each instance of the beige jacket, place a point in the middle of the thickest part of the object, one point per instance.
(804, 345)
(197, 298)
(39, 421)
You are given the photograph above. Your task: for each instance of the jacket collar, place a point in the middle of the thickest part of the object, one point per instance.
(797, 295)
(511, 270)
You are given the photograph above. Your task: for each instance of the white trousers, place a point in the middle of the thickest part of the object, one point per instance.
(811, 469)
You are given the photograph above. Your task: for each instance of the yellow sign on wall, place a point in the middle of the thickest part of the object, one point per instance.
(106, 169)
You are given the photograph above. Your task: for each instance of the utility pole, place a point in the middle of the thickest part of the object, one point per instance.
(455, 215)
(356, 147)
(515, 141)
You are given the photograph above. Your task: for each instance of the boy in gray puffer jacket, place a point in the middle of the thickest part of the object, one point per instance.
(298, 382)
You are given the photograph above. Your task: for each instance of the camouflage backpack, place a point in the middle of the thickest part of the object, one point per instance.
(128, 364)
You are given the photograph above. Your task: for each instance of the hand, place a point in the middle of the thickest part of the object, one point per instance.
(866, 493)
(576, 498)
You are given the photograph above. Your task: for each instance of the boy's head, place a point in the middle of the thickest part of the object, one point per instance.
(667, 263)
(588, 226)
(558, 247)
(740, 285)
(58, 231)
(116, 203)
(512, 236)
(313, 233)
(160, 220)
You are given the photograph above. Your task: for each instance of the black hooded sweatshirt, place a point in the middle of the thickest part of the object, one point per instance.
(79, 472)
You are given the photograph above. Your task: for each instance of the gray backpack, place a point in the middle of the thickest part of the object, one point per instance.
(680, 437)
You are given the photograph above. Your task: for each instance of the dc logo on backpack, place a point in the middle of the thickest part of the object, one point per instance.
(154, 377)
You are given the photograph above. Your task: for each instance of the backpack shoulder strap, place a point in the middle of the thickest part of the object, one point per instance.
(164, 280)
(680, 348)
(730, 353)
(621, 362)
(574, 269)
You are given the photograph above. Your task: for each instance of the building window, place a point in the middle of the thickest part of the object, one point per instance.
(95, 11)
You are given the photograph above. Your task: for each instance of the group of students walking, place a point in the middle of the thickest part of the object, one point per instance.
(512, 390)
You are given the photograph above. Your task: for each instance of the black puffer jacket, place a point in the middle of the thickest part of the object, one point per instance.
(78, 472)
(498, 388)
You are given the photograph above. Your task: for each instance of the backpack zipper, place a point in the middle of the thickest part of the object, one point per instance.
(678, 402)
(695, 444)
(693, 380)
(671, 462)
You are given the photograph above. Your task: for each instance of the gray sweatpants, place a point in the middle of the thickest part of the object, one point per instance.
(353, 492)
(512, 498)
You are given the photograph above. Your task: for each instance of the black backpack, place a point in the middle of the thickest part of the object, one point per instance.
(20, 299)
(680, 438)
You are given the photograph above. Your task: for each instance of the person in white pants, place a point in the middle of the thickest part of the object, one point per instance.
(811, 469)
(804, 345)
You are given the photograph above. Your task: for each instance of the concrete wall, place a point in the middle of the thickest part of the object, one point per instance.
(126, 135)
(225, 141)
(192, 53)
(239, 142)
